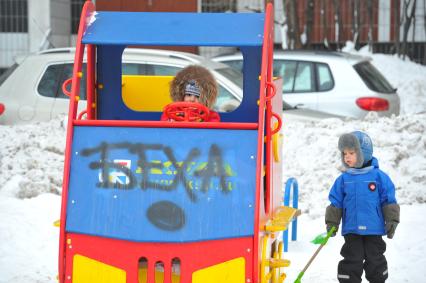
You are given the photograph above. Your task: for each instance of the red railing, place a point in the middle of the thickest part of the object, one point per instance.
(264, 121)
(166, 124)
(86, 13)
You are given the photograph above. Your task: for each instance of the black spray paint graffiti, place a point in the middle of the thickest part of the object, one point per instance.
(214, 167)
(164, 215)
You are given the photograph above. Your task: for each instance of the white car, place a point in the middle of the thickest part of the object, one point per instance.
(333, 82)
(31, 90)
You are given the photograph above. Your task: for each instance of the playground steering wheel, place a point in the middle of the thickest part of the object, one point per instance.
(187, 112)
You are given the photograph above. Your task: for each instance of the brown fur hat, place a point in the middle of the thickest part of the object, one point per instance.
(204, 79)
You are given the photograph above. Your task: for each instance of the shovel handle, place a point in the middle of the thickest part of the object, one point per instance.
(299, 278)
(329, 233)
(312, 258)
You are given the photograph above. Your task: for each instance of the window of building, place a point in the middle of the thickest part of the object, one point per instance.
(76, 7)
(13, 16)
(218, 6)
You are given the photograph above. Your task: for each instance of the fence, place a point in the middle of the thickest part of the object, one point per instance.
(291, 188)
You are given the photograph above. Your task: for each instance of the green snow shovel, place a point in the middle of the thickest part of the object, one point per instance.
(321, 240)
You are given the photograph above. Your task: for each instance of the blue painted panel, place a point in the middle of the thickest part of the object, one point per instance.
(198, 29)
(110, 104)
(112, 107)
(248, 111)
(162, 185)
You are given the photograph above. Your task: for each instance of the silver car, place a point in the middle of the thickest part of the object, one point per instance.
(333, 82)
(31, 90)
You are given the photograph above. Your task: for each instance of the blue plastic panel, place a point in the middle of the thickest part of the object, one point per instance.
(110, 105)
(162, 185)
(200, 29)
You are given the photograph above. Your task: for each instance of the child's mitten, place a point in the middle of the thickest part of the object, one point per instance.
(391, 214)
(333, 215)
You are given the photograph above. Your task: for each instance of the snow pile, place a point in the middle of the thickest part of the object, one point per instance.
(28, 240)
(31, 159)
(413, 85)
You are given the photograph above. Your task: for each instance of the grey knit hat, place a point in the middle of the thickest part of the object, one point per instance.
(192, 88)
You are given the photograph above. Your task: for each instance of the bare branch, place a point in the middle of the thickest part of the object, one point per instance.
(409, 16)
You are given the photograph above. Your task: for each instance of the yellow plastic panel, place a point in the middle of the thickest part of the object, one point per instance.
(232, 271)
(276, 145)
(146, 93)
(87, 270)
(283, 216)
(159, 276)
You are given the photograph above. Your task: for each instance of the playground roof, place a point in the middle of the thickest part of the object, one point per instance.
(172, 29)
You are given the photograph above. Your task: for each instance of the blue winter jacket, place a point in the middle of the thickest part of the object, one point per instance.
(361, 193)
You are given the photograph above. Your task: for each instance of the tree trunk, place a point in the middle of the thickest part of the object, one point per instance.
(407, 23)
(310, 7)
(284, 26)
(424, 17)
(370, 5)
(324, 36)
(397, 24)
(337, 22)
(356, 19)
(293, 25)
(233, 6)
(414, 25)
(424, 28)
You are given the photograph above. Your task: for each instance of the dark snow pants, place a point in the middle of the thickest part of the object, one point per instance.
(363, 252)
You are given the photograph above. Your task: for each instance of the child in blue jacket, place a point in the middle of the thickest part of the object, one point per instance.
(363, 196)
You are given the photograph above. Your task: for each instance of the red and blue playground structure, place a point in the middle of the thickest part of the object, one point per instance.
(150, 201)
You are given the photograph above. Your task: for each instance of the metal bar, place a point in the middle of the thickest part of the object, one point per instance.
(78, 62)
(163, 124)
(291, 184)
(266, 51)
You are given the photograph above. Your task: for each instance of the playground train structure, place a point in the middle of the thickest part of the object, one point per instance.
(149, 201)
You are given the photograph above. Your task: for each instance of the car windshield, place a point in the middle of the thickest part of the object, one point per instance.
(373, 78)
(7, 73)
(232, 75)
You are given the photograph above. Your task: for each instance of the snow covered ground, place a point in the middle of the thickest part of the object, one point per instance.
(31, 164)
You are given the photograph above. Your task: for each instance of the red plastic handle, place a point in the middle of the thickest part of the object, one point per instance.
(65, 86)
(278, 128)
(274, 90)
(80, 116)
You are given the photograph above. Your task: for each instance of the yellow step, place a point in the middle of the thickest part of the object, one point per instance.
(282, 217)
(278, 263)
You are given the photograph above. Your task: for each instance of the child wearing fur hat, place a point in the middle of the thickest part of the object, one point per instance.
(195, 84)
(363, 196)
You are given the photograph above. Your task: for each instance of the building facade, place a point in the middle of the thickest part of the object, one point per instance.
(328, 24)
